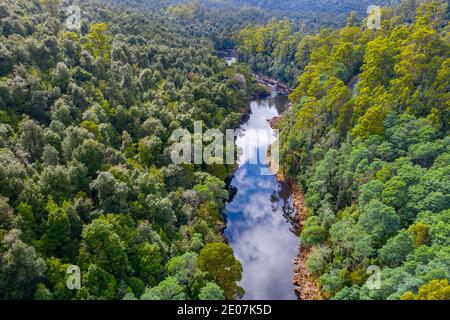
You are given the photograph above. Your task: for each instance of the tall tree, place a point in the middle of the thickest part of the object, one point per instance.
(218, 260)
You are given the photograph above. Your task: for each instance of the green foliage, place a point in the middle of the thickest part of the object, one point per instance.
(394, 252)
(147, 262)
(184, 11)
(97, 41)
(91, 153)
(149, 150)
(21, 269)
(183, 268)
(379, 220)
(211, 292)
(103, 247)
(317, 259)
(32, 139)
(365, 138)
(218, 260)
(85, 168)
(56, 276)
(52, 6)
(168, 289)
(42, 293)
(434, 290)
(85, 121)
(99, 283)
(57, 239)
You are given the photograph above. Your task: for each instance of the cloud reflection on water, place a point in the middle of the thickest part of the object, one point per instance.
(261, 236)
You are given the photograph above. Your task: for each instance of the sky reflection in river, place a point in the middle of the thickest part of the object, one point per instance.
(258, 225)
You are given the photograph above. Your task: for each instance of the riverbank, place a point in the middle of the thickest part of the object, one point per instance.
(266, 80)
(258, 228)
(306, 287)
(303, 285)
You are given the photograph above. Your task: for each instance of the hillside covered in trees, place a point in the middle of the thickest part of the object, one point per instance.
(315, 13)
(225, 18)
(366, 139)
(86, 117)
(281, 47)
(85, 172)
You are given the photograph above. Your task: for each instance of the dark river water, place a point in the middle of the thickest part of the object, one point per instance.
(259, 216)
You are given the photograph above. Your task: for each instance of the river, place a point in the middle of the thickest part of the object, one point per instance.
(259, 215)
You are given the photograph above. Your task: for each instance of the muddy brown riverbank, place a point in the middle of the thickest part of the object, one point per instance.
(306, 286)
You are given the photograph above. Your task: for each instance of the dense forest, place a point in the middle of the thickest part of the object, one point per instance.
(85, 171)
(220, 24)
(315, 13)
(366, 139)
(86, 117)
(225, 18)
(281, 47)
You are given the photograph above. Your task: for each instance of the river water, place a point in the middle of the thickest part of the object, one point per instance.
(259, 215)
